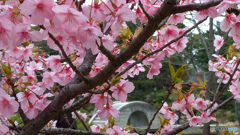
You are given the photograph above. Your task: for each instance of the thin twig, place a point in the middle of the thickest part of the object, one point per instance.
(84, 124)
(21, 113)
(158, 50)
(219, 85)
(165, 99)
(105, 51)
(144, 11)
(186, 125)
(84, 78)
(77, 105)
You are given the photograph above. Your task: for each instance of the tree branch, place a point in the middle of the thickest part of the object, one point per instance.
(165, 99)
(84, 124)
(76, 105)
(105, 51)
(226, 85)
(160, 49)
(197, 6)
(53, 131)
(144, 11)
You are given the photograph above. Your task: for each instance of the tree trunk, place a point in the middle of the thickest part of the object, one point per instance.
(210, 75)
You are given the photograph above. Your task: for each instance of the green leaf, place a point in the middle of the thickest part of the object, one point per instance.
(6, 70)
(116, 80)
(172, 71)
(160, 118)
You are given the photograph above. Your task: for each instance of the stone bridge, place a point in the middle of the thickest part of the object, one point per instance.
(135, 113)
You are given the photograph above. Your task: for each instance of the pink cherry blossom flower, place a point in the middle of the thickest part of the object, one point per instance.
(54, 63)
(43, 102)
(164, 108)
(26, 97)
(227, 22)
(121, 90)
(179, 105)
(195, 120)
(30, 110)
(97, 11)
(25, 33)
(8, 105)
(169, 33)
(107, 111)
(6, 28)
(137, 68)
(218, 42)
(199, 104)
(49, 78)
(116, 130)
(154, 70)
(211, 12)
(3, 129)
(66, 14)
(176, 18)
(38, 9)
(96, 128)
(181, 44)
(123, 14)
(166, 129)
(34, 66)
(100, 100)
(235, 27)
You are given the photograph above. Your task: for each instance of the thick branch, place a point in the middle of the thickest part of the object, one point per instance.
(197, 7)
(76, 105)
(68, 132)
(71, 90)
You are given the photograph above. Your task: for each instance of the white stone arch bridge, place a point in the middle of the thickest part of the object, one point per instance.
(135, 113)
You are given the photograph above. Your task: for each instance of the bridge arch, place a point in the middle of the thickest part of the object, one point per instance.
(136, 113)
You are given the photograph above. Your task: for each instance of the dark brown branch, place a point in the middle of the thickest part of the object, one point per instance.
(58, 131)
(78, 4)
(160, 49)
(165, 99)
(197, 6)
(84, 124)
(222, 104)
(77, 105)
(105, 51)
(178, 129)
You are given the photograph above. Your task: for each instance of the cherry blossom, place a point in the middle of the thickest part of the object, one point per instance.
(195, 120)
(8, 105)
(121, 90)
(218, 42)
(107, 111)
(116, 130)
(96, 128)
(38, 9)
(101, 99)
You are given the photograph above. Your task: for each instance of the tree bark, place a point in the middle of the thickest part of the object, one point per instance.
(210, 75)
